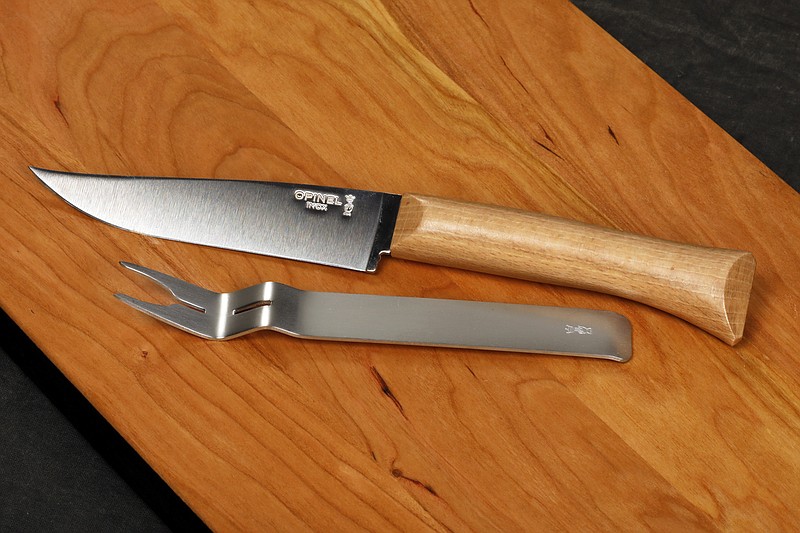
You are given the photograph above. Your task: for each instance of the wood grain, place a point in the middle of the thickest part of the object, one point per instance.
(527, 102)
(709, 287)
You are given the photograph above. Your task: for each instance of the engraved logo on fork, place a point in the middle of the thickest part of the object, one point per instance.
(580, 330)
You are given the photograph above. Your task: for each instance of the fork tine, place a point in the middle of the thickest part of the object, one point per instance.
(180, 316)
(185, 292)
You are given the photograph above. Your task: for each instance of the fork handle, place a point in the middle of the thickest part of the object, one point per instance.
(708, 287)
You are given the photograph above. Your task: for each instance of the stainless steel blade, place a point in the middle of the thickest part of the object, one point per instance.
(347, 228)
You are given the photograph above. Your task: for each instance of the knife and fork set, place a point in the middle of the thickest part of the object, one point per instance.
(353, 229)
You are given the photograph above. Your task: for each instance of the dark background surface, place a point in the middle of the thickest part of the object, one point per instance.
(62, 467)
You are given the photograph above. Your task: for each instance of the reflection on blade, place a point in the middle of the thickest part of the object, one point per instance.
(346, 228)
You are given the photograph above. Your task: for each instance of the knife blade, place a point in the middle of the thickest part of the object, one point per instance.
(350, 228)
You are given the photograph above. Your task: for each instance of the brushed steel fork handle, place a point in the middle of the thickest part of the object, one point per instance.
(389, 319)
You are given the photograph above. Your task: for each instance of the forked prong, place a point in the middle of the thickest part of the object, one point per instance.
(187, 293)
(177, 315)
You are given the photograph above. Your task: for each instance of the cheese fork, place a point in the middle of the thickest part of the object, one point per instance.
(388, 319)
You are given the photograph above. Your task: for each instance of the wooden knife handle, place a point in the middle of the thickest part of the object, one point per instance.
(709, 287)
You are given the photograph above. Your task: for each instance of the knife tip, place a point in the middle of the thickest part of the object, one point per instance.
(44, 175)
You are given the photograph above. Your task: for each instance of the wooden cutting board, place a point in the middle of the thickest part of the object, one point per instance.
(522, 104)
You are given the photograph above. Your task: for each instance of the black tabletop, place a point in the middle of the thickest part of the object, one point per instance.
(62, 467)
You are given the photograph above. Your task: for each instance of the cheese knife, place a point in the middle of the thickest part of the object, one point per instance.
(350, 228)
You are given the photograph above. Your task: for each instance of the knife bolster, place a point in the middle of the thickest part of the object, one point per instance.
(708, 287)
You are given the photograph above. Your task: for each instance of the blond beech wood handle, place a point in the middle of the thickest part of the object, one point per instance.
(709, 287)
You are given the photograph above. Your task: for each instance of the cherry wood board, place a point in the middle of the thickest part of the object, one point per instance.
(522, 104)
